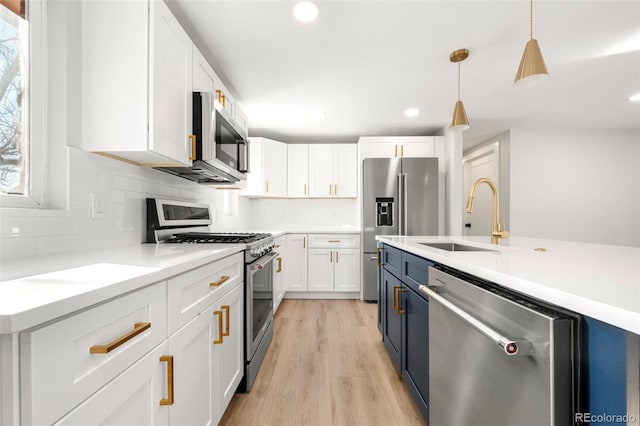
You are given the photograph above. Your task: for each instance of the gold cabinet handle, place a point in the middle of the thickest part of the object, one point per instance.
(378, 256)
(335, 189)
(169, 360)
(330, 189)
(337, 258)
(220, 281)
(331, 256)
(279, 260)
(401, 150)
(220, 333)
(397, 297)
(394, 302)
(395, 150)
(267, 188)
(219, 94)
(304, 242)
(227, 314)
(305, 189)
(138, 328)
(224, 101)
(193, 147)
(334, 241)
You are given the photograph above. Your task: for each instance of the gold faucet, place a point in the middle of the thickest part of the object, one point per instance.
(497, 232)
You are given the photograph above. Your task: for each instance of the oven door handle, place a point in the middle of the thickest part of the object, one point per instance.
(259, 265)
(510, 345)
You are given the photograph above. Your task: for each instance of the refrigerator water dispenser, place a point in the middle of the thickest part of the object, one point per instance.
(384, 212)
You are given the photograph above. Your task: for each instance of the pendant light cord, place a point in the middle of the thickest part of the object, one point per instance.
(531, 21)
(458, 80)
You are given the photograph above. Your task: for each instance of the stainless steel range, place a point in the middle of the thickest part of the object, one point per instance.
(177, 222)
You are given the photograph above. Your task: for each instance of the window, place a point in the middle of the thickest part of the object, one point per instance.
(21, 102)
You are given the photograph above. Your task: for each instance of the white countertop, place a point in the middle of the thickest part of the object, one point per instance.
(38, 289)
(596, 280)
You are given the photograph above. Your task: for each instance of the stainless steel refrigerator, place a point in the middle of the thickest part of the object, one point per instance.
(400, 197)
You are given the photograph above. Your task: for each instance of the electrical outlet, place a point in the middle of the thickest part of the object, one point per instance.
(98, 205)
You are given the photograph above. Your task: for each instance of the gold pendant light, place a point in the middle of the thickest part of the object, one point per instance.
(459, 120)
(532, 69)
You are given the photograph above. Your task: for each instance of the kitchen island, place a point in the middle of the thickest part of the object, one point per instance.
(601, 283)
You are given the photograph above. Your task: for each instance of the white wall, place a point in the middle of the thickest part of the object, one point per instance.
(579, 185)
(304, 214)
(34, 232)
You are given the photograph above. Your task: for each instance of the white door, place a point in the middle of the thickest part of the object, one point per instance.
(203, 75)
(345, 170)
(192, 351)
(295, 275)
(132, 398)
(321, 269)
(347, 270)
(275, 168)
(298, 170)
(320, 170)
(229, 356)
(171, 78)
(481, 163)
(416, 147)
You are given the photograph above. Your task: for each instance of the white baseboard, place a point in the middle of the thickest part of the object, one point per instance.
(322, 295)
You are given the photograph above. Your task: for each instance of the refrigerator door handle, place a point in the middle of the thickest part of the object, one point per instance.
(405, 203)
(400, 205)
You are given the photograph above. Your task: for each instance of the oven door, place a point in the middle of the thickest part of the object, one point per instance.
(259, 302)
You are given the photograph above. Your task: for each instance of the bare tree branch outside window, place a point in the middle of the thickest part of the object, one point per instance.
(14, 146)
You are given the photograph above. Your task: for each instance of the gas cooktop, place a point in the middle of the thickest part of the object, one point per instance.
(216, 238)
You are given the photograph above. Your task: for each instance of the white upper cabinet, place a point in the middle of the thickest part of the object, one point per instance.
(298, 170)
(136, 82)
(333, 170)
(204, 77)
(399, 146)
(268, 169)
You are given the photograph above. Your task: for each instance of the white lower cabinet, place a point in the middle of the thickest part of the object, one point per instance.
(334, 270)
(121, 363)
(279, 271)
(295, 275)
(133, 398)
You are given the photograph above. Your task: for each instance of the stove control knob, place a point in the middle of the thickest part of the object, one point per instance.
(255, 253)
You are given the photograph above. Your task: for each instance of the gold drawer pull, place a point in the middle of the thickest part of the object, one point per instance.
(279, 264)
(305, 189)
(304, 242)
(138, 328)
(337, 258)
(227, 314)
(334, 241)
(169, 399)
(220, 333)
(217, 283)
(378, 257)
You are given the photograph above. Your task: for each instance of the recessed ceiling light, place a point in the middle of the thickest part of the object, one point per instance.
(305, 11)
(412, 112)
(635, 98)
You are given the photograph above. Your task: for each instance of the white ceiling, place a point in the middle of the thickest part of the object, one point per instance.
(365, 62)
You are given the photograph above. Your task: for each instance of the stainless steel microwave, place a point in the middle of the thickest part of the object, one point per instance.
(221, 146)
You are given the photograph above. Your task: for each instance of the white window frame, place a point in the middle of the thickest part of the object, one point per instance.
(37, 107)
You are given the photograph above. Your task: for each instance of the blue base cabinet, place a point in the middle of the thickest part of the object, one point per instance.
(404, 315)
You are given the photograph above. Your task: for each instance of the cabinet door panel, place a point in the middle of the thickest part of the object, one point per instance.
(275, 168)
(345, 170)
(171, 78)
(192, 350)
(320, 170)
(203, 75)
(379, 147)
(392, 322)
(416, 147)
(347, 270)
(321, 269)
(298, 170)
(133, 398)
(229, 354)
(295, 275)
(415, 351)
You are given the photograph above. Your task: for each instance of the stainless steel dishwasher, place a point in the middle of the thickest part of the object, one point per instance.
(496, 358)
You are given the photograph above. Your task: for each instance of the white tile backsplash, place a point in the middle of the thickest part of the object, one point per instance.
(31, 232)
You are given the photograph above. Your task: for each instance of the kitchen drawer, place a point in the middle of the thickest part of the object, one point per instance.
(191, 292)
(415, 271)
(392, 260)
(58, 371)
(334, 240)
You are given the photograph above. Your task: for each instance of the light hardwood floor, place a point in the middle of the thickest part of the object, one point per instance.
(326, 366)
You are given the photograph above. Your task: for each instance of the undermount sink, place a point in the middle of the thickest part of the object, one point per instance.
(451, 246)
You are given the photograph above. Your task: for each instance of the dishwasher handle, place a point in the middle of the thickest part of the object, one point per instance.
(510, 345)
